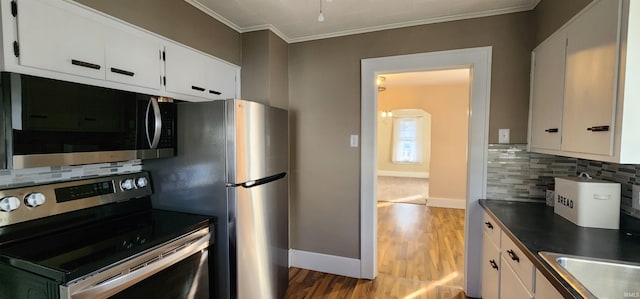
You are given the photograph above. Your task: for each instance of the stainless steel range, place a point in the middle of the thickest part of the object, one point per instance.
(100, 238)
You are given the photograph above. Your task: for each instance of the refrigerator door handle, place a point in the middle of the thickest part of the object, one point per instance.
(259, 182)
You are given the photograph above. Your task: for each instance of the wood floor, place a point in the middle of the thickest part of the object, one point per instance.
(420, 255)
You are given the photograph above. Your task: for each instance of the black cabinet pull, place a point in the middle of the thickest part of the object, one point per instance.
(598, 129)
(85, 64)
(513, 255)
(552, 130)
(489, 225)
(197, 88)
(493, 264)
(215, 92)
(122, 72)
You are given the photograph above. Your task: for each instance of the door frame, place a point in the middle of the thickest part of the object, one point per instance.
(479, 61)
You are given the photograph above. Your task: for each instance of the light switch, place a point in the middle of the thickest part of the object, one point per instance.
(354, 140)
(503, 135)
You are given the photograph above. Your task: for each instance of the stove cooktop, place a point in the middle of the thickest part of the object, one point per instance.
(72, 253)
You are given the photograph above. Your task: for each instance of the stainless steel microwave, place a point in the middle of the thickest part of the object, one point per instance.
(50, 122)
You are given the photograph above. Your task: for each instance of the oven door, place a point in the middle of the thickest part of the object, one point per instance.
(176, 269)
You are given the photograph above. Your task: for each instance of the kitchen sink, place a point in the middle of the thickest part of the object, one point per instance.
(596, 278)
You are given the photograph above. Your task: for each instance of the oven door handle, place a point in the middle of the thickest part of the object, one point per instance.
(135, 271)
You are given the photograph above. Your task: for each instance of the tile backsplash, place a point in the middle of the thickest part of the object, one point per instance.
(12, 178)
(625, 174)
(515, 174)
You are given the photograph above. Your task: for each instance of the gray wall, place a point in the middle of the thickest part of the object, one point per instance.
(324, 88)
(265, 76)
(550, 15)
(176, 20)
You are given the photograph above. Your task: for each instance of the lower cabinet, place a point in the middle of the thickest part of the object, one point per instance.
(511, 287)
(507, 273)
(544, 289)
(490, 269)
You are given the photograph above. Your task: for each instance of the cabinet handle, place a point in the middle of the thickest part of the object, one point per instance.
(552, 130)
(513, 255)
(598, 129)
(493, 264)
(489, 225)
(85, 64)
(197, 88)
(215, 92)
(122, 72)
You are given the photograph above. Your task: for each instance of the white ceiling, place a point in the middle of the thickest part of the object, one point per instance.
(297, 20)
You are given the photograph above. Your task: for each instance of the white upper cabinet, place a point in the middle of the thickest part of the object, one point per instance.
(59, 37)
(191, 73)
(547, 93)
(590, 85)
(600, 104)
(221, 77)
(185, 71)
(133, 59)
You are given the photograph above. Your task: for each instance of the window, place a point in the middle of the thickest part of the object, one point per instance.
(407, 140)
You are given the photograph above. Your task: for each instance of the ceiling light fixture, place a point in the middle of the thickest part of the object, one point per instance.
(381, 83)
(321, 16)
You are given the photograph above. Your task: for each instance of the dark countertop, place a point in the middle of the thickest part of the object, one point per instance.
(535, 227)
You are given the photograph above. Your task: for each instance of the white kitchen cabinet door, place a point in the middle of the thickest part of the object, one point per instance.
(133, 59)
(490, 269)
(510, 285)
(56, 36)
(547, 93)
(221, 80)
(544, 289)
(186, 71)
(591, 80)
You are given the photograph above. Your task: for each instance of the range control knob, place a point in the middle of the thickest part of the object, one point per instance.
(126, 184)
(9, 203)
(34, 199)
(142, 182)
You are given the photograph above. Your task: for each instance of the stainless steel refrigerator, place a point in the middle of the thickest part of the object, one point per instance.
(232, 163)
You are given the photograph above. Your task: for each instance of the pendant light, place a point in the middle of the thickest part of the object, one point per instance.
(321, 16)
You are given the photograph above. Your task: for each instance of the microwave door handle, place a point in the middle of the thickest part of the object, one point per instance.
(153, 102)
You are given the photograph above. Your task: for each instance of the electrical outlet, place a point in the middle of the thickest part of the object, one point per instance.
(635, 197)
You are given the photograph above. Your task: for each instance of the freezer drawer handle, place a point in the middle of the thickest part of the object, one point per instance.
(251, 184)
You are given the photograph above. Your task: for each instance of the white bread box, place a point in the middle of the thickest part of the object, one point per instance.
(588, 202)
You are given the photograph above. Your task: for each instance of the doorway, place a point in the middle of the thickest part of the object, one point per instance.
(422, 134)
(478, 60)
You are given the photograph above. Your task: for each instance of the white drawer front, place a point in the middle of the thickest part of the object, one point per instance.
(518, 261)
(491, 229)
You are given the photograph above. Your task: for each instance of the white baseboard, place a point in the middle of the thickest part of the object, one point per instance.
(404, 174)
(447, 203)
(324, 263)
